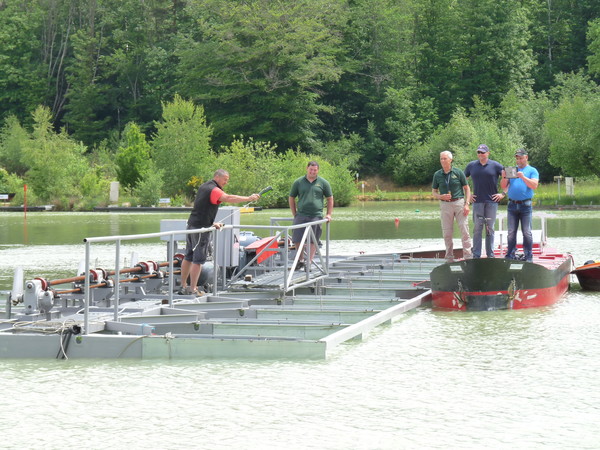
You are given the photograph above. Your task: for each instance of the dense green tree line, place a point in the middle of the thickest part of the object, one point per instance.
(173, 162)
(153, 92)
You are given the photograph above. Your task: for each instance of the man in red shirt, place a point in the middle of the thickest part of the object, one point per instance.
(208, 198)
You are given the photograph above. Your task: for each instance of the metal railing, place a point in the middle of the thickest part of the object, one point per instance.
(276, 231)
(117, 240)
(287, 268)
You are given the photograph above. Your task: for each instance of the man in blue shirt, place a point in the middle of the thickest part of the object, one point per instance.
(520, 195)
(485, 173)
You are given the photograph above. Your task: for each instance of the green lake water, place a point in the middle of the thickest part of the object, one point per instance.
(433, 379)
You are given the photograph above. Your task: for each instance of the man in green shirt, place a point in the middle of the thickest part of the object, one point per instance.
(309, 190)
(451, 189)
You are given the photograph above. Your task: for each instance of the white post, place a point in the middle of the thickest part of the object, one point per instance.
(570, 186)
(114, 192)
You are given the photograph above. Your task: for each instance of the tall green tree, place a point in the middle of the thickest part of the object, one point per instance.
(140, 55)
(558, 37)
(133, 156)
(181, 145)
(61, 20)
(22, 78)
(56, 162)
(573, 130)
(438, 65)
(593, 37)
(493, 50)
(378, 55)
(121, 67)
(259, 66)
(88, 98)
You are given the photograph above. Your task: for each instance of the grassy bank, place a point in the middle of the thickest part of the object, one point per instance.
(586, 193)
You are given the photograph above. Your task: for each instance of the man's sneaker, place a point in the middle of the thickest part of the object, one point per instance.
(185, 291)
(300, 265)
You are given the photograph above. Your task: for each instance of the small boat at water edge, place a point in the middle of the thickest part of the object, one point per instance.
(588, 275)
(488, 284)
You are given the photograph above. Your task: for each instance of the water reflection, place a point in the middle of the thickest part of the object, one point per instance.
(369, 220)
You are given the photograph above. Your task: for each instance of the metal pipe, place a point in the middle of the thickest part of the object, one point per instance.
(109, 273)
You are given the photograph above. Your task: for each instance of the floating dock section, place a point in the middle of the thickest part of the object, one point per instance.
(359, 294)
(274, 312)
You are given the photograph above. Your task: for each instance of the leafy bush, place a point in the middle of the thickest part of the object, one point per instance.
(461, 136)
(11, 184)
(344, 151)
(181, 145)
(12, 138)
(178, 200)
(253, 166)
(133, 156)
(573, 130)
(56, 163)
(149, 187)
(94, 190)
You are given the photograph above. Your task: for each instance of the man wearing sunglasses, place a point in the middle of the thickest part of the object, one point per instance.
(485, 173)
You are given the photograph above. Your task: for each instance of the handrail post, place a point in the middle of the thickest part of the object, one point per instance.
(327, 248)
(215, 270)
(171, 256)
(286, 256)
(86, 296)
(117, 278)
(309, 239)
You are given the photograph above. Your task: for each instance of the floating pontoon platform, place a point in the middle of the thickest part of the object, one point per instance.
(274, 311)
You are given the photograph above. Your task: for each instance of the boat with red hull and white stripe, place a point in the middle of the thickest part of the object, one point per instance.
(487, 284)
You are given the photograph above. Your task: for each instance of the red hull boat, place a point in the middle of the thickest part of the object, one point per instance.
(588, 276)
(488, 284)
(496, 283)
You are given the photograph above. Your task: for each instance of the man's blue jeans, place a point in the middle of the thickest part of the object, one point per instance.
(520, 212)
(484, 219)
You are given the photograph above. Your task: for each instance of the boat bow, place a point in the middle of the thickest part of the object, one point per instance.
(497, 283)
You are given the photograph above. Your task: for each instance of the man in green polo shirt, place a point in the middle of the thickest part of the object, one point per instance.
(450, 187)
(309, 190)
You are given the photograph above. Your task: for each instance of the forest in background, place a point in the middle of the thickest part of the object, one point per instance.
(159, 93)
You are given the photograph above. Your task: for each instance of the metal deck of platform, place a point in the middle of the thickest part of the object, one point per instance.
(265, 308)
(252, 319)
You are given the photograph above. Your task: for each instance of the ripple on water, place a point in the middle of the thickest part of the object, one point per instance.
(433, 379)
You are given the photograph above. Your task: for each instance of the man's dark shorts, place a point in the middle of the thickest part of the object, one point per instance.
(298, 232)
(195, 251)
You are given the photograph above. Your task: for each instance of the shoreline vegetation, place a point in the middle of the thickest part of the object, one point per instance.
(586, 193)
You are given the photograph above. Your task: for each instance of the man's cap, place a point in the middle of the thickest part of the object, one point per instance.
(483, 148)
(521, 152)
